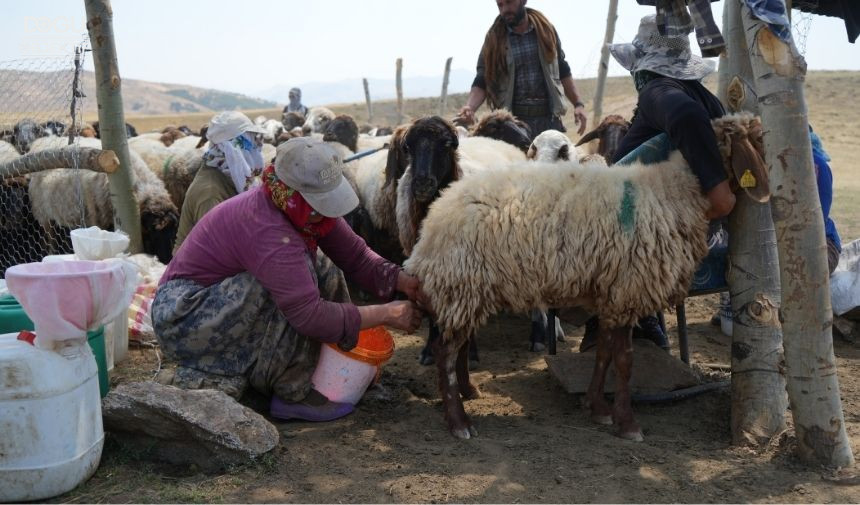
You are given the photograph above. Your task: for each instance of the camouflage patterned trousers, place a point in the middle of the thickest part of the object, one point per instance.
(233, 331)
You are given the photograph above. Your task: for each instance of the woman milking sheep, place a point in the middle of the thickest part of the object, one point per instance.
(242, 299)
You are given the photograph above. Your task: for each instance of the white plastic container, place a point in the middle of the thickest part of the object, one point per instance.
(116, 330)
(50, 412)
(93, 243)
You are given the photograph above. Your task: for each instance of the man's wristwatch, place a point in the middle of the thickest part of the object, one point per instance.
(578, 104)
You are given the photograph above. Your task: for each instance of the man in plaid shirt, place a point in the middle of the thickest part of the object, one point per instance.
(522, 68)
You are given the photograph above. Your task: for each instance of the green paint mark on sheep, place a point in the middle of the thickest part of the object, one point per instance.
(627, 212)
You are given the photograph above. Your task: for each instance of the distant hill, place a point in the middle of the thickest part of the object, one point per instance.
(48, 94)
(352, 90)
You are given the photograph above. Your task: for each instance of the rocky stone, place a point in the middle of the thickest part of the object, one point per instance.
(654, 370)
(203, 427)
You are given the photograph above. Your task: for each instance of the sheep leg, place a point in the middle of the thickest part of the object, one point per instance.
(622, 412)
(473, 348)
(601, 413)
(467, 390)
(426, 356)
(446, 351)
(537, 342)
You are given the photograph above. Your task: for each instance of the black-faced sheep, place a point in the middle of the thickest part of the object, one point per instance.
(24, 133)
(130, 130)
(621, 242)
(502, 125)
(610, 131)
(344, 130)
(56, 201)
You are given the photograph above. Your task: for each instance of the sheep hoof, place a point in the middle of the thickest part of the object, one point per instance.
(462, 433)
(604, 420)
(537, 347)
(470, 392)
(473, 431)
(635, 436)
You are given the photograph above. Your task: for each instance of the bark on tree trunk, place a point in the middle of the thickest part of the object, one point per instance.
(367, 99)
(64, 157)
(813, 388)
(399, 85)
(112, 118)
(759, 400)
(604, 61)
(443, 101)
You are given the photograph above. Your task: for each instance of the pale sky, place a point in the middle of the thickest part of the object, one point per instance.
(251, 45)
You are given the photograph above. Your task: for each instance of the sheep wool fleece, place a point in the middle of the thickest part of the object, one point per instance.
(620, 242)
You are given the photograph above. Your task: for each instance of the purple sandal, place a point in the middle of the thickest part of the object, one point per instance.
(305, 410)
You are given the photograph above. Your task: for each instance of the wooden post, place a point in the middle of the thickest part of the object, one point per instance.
(443, 101)
(367, 99)
(112, 118)
(759, 401)
(399, 84)
(604, 62)
(813, 387)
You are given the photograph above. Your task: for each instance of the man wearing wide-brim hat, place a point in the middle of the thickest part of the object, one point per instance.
(672, 100)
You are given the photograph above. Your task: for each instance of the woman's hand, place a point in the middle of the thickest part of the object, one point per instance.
(403, 315)
(466, 115)
(410, 286)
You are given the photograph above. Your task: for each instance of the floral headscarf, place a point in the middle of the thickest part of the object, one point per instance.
(297, 209)
(240, 159)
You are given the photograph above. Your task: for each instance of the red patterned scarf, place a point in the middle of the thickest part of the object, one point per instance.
(296, 208)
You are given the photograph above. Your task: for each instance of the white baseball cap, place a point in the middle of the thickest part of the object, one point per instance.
(315, 169)
(229, 125)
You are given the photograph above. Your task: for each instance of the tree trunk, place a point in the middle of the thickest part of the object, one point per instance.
(604, 61)
(367, 99)
(443, 101)
(63, 157)
(399, 84)
(813, 387)
(112, 118)
(759, 401)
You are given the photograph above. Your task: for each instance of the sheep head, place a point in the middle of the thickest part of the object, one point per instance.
(159, 222)
(739, 137)
(609, 133)
(551, 146)
(318, 118)
(501, 125)
(25, 132)
(342, 129)
(397, 161)
(431, 144)
(292, 120)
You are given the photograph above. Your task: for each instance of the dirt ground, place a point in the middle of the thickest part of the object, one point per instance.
(535, 444)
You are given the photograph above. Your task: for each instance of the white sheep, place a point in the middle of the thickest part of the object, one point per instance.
(189, 142)
(56, 200)
(316, 120)
(621, 242)
(175, 167)
(273, 129)
(553, 145)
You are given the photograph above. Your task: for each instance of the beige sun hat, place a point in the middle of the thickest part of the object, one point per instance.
(229, 125)
(662, 54)
(315, 169)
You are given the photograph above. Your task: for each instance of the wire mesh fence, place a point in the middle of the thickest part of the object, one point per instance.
(40, 110)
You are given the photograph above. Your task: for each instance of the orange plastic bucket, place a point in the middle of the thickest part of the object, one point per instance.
(343, 376)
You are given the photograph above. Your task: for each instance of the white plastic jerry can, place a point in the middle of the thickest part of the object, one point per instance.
(51, 433)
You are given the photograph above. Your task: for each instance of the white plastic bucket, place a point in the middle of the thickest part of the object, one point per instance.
(345, 376)
(50, 411)
(340, 378)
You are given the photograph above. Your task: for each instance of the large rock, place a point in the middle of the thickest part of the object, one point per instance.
(654, 371)
(204, 427)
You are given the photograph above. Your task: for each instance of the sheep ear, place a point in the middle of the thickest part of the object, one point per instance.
(750, 170)
(588, 137)
(564, 152)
